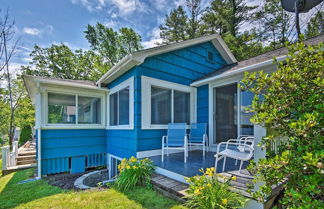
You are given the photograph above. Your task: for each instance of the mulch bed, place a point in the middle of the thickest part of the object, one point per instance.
(64, 180)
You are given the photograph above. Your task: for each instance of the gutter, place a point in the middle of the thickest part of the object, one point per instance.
(238, 71)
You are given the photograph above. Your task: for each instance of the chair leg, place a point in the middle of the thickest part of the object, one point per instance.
(167, 151)
(241, 165)
(162, 154)
(216, 162)
(204, 147)
(224, 163)
(236, 162)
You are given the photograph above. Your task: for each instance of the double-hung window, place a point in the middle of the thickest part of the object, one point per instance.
(73, 109)
(165, 102)
(121, 105)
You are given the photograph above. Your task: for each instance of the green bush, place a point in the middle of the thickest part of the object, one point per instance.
(134, 172)
(206, 192)
(292, 104)
(25, 135)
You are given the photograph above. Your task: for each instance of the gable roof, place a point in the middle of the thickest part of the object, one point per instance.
(253, 63)
(138, 57)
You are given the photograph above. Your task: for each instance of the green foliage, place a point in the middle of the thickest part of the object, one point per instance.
(315, 26)
(290, 101)
(59, 61)
(134, 172)
(206, 192)
(275, 23)
(111, 45)
(174, 28)
(25, 135)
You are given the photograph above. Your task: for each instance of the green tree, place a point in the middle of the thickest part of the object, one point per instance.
(316, 25)
(214, 19)
(174, 28)
(59, 61)
(25, 135)
(193, 23)
(111, 45)
(275, 23)
(290, 102)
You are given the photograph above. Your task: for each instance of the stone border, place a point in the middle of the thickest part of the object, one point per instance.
(79, 181)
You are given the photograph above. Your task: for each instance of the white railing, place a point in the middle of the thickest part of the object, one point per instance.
(276, 142)
(9, 159)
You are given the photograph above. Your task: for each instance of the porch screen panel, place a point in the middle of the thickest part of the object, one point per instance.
(124, 106)
(181, 107)
(89, 110)
(113, 109)
(246, 125)
(160, 105)
(61, 108)
(226, 113)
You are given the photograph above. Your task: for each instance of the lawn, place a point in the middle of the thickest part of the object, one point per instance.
(39, 194)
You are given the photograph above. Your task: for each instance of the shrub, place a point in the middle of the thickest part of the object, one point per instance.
(134, 172)
(292, 104)
(25, 135)
(207, 192)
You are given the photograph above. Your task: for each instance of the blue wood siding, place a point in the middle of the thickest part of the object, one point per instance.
(181, 66)
(202, 104)
(60, 146)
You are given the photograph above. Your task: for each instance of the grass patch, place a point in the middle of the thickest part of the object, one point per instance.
(39, 194)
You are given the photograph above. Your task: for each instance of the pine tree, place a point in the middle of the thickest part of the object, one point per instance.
(174, 28)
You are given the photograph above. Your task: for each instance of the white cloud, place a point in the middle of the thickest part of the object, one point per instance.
(155, 38)
(31, 31)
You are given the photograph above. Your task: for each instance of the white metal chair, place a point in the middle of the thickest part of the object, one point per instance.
(198, 136)
(239, 149)
(176, 139)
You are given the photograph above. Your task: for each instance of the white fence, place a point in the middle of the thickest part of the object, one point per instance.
(9, 159)
(277, 141)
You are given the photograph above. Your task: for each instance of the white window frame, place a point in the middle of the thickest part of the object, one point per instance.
(76, 93)
(127, 83)
(147, 83)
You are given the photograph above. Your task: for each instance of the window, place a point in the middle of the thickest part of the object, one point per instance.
(119, 107)
(89, 111)
(160, 105)
(247, 127)
(164, 102)
(62, 109)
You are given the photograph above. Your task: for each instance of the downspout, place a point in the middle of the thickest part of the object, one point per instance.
(38, 122)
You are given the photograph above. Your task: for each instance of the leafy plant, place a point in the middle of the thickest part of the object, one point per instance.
(134, 172)
(290, 102)
(207, 192)
(25, 135)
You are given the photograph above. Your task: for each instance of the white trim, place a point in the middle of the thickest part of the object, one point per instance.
(147, 83)
(76, 93)
(127, 83)
(138, 58)
(238, 71)
(170, 174)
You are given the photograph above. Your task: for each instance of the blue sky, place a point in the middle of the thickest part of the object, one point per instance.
(44, 22)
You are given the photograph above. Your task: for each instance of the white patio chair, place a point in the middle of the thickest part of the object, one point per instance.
(235, 149)
(176, 139)
(244, 139)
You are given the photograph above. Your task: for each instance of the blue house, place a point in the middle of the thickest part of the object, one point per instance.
(81, 124)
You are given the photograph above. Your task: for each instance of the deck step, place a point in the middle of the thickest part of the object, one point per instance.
(27, 153)
(26, 162)
(17, 168)
(169, 187)
(26, 157)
